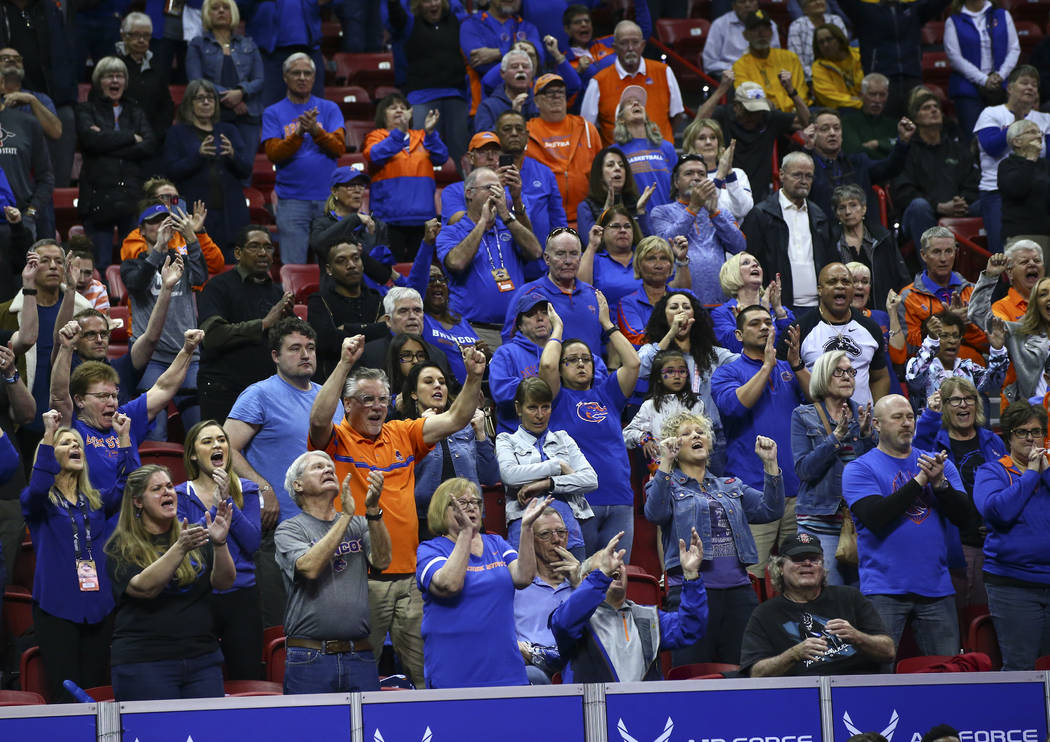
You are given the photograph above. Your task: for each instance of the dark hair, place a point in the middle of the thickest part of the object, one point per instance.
(742, 314)
(572, 11)
(946, 318)
(533, 387)
(285, 327)
(184, 113)
(834, 31)
(1016, 415)
(817, 112)
(505, 114)
(393, 365)
(78, 249)
(867, 737)
(619, 209)
(701, 336)
(247, 229)
(682, 160)
(406, 405)
(597, 192)
(91, 312)
(940, 731)
(658, 392)
(385, 103)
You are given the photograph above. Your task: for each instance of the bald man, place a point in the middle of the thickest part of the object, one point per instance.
(902, 500)
(835, 325)
(663, 98)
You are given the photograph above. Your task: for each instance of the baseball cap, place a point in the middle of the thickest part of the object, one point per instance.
(527, 301)
(346, 174)
(633, 92)
(482, 138)
(153, 211)
(546, 80)
(757, 18)
(800, 545)
(752, 97)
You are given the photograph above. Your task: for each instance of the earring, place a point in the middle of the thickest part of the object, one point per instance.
(138, 513)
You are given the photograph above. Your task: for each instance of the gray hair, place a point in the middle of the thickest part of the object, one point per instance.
(876, 77)
(131, 20)
(105, 66)
(776, 572)
(1017, 128)
(472, 179)
(820, 374)
(1022, 246)
(398, 294)
(295, 471)
(848, 192)
(505, 62)
(46, 242)
(184, 113)
(793, 158)
(935, 233)
(623, 26)
(293, 58)
(364, 374)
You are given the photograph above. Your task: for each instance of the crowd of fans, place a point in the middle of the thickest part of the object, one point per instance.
(731, 322)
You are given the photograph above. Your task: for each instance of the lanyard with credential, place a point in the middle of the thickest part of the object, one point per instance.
(500, 275)
(87, 573)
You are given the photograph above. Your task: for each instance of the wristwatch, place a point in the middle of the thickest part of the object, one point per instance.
(13, 378)
(377, 516)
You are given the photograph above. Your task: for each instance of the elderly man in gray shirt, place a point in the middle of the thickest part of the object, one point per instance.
(324, 557)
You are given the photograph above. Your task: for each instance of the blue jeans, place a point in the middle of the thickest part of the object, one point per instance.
(293, 227)
(1022, 622)
(837, 574)
(575, 541)
(992, 212)
(935, 621)
(309, 671)
(192, 677)
(186, 399)
(609, 520)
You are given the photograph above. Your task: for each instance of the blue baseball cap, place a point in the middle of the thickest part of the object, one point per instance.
(527, 301)
(152, 211)
(347, 174)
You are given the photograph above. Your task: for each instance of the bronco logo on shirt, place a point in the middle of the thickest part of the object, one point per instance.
(591, 412)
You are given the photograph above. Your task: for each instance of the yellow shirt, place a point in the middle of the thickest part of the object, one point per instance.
(837, 84)
(764, 71)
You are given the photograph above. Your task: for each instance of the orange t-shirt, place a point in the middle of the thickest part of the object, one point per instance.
(399, 445)
(567, 148)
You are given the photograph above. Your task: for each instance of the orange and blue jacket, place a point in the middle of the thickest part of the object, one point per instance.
(402, 168)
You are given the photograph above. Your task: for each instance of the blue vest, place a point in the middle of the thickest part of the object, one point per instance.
(970, 46)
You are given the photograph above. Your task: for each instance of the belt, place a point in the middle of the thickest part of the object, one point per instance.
(331, 646)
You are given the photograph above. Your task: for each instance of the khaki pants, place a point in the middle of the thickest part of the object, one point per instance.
(397, 606)
(767, 534)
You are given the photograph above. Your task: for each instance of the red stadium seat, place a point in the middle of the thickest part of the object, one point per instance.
(274, 660)
(355, 160)
(919, 664)
(981, 637)
(178, 92)
(101, 692)
(301, 311)
(121, 334)
(1029, 34)
(257, 211)
(331, 37)
(18, 612)
(700, 669)
(356, 131)
(1043, 663)
(301, 280)
(20, 698)
(1035, 11)
(494, 516)
(353, 101)
(31, 669)
(642, 587)
(933, 33)
(446, 173)
(252, 688)
(263, 174)
(369, 70)
(65, 201)
(935, 68)
(25, 567)
(118, 292)
(382, 91)
(166, 454)
(686, 36)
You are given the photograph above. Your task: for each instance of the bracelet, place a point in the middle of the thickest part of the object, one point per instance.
(28, 292)
(681, 262)
(557, 340)
(801, 365)
(218, 543)
(606, 334)
(12, 378)
(891, 333)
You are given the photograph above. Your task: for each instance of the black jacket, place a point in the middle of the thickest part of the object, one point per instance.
(335, 317)
(767, 240)
(112, 172)
(54, 45)
(1025, 188)
(326, 230)
(883, 258)
(149, 88)
(857, 168)
(937, 173)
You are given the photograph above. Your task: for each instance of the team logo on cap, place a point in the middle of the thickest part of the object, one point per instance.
(805, 538)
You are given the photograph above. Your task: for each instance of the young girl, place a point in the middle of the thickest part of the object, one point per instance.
(669, 393)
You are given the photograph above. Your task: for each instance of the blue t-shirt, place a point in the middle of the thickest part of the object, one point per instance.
(912, 557)
(474, 293)
(449, 341)
(651, 164)
(101, 446)
(305, 175)
(613, 279)
(45, 343)
(282, 413)
(469, 640)
(592, 418)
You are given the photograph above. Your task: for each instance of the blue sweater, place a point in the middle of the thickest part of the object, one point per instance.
(245, 530)
(1015, 503)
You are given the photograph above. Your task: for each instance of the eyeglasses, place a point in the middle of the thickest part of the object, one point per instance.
(138, 35)
(204, 99)
(104, 395)
(95, 334)
(577, 360)
(807, 559)
(438, 279)
(368, 400)
(418, 356)
(466, 502)
(172, 199)
(551, 533)
(838, 373)
(669, 372)
(562, 230)
(563, 255)
(11, 58)
(1029, 434)
(622, 226)
(300, 73)
(961, 401)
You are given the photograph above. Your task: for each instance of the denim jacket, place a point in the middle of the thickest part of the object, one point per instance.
(204, 61)
(472, 459)
(519, 464)
(817, 462)
(674, 502)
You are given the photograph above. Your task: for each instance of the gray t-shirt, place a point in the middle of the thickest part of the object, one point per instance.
(335, 605)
